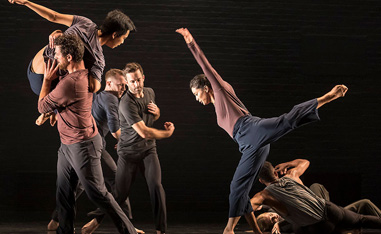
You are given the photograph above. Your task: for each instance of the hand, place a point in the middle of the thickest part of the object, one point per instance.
(53, 36)
(169, 127)
(153, 109)
(276, 229)
(186, 34)
(53, 119)
(20, 2)
(281, 168)
(50, 71)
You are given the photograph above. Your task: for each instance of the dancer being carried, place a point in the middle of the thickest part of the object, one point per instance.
(114, 30)
(253, 134)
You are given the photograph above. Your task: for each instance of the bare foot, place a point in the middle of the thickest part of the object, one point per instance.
(226, 231)
(139, 231)
(53, 225)
(337, 92)
(41, 119)
(90, 227)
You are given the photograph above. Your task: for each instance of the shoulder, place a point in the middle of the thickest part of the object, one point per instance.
(149, 91)
(77, 19)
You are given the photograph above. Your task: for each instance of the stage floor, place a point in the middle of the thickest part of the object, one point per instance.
(108, 228)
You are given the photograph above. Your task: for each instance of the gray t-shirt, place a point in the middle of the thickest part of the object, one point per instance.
(131, 111)
(303, 206)
(88, 32)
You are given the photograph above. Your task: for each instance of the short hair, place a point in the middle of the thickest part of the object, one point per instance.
(199, 81)
(263, 223)
(112, 73)
(267, 172)
(117, 21)
(71, 44)
(133, 67)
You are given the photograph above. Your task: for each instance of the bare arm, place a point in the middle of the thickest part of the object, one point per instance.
(116, 134)
(153, 133)
(46, 13)
(293, 169)
(256, 202)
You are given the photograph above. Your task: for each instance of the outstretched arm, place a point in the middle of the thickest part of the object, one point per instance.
(293, 169)
(212, 75)
(46, 13)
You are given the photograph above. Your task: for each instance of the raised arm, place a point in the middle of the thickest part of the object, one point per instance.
(46, 13)
(214, 78)
(293, 169)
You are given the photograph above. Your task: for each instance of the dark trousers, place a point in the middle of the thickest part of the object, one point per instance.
(81, 162)
(363, 206)
(109, 171)
(35, 80)
(337, 218)
(254, 134)
(147, 162)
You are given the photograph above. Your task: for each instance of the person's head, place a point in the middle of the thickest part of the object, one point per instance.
(116, 81)
(135, 78)
(267, 220)
(201, 89)
(68, 49)
(117, 26)
(267, 173)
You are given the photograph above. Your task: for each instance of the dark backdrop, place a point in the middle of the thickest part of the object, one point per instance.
(274, 53)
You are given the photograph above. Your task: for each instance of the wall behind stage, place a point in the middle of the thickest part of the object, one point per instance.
(274, 53)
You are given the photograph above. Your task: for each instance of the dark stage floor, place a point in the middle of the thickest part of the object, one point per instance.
(191, 228)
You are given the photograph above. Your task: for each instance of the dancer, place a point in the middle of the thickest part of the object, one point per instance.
(307, 212)
(137, 146)
(114, 30)
(81, 145)
(271, 221)
(253, 134)
(105, 113)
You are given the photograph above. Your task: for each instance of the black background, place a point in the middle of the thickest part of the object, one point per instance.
(274, 53)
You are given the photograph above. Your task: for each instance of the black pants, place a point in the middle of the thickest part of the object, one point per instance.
(363, 206)
(109, 171)
(81, 162)
(147, 162)
(337, 218)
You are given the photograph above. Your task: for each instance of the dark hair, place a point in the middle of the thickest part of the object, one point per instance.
(112, 73)
(267, 172)
(199, 81)
(133, 67)
(71, 44)
(117, 21)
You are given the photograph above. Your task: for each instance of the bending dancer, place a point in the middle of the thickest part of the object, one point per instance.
(307, 212)
(253, 134)
(271, 221)
(114, 30)
(81, 145)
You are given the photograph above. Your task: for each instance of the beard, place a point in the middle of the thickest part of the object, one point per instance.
(63, 65)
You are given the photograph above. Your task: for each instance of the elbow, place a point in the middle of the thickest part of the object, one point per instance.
(52, 17)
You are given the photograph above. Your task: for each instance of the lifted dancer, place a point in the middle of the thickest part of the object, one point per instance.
(253, 134)
(114, 30)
